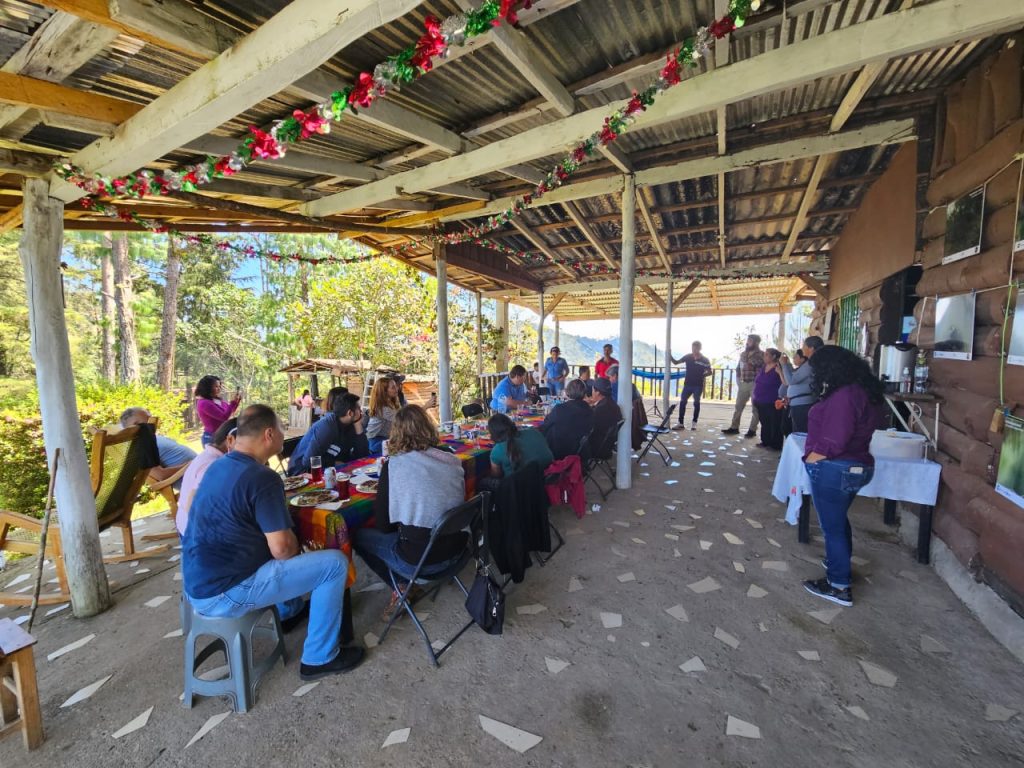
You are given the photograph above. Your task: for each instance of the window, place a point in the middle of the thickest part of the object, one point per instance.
(849, 322)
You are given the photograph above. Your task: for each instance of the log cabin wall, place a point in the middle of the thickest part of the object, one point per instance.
(980, 131)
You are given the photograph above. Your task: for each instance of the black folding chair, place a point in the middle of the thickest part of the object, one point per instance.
(652, 437)
(472, 410)
(542, 391)
(600, 453)
(290, 444)
(556, 479)
(468, 516)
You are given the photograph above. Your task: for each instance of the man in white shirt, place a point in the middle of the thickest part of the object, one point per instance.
(222, 442)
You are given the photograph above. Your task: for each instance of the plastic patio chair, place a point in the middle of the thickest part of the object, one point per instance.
(652, 437)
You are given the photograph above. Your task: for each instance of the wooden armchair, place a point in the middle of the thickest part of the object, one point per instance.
(166, 489)
(119, 465)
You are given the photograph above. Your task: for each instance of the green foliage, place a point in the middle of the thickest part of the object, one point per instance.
(24, 479)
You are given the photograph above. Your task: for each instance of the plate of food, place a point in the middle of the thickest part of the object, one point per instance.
(313, 498)
(367, 486)
(294, 483)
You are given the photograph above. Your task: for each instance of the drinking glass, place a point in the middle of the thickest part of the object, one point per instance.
(316, 469)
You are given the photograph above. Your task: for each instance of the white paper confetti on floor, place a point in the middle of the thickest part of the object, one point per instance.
(208, 726)
(638, 541)
(684, 528)
(574, 584)
(85, 693)
(753, 523)
(370, 640)
(58, 609)
(677, 612)
(739, 567)
(625, 577)
(705, 545)
(639, 512)
(133, 725)
(672, 537)
(725, 637)
(704, 585)
(70, 647)
(142, 571)
(396, 737)
(736, 727)
(775, 565)
(858, 712)
(514, 738)
(611, 620)
(676, 552)
(756, 591)
(156, 602)
(826, 616)
(931, 645)
(620, 523)
(20, 579)
(555, 665)
(530, 610)
(174, 633)
(809, 655)
(617, 551)
(302, 690)
(732, 538)
(695, 517)
(693, 665)
(997, 713)
(177, 576)
(878, 675)
(671, 482)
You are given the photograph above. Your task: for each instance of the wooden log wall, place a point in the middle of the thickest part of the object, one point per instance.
(982, 133)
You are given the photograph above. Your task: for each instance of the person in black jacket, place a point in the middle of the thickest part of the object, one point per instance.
(336, 439)
(569, 423)
(606, 416)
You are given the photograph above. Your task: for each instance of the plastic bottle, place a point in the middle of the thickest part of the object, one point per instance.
(921, 373)
(906, 381)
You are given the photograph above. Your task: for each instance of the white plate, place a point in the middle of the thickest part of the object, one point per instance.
(294, 501)
(359, 488)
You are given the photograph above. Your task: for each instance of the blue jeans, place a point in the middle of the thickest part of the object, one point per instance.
(379, 550)
(834, 483)
(696, 390)
(555, 387)
(284, 582)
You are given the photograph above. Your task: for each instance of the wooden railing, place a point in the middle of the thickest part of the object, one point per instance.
(720, 385)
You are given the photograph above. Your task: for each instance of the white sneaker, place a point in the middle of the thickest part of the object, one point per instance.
(693, 427)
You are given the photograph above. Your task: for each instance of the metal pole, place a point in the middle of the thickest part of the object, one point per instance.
(501, 320)
(624, 460)
(41, 246)
(479, 335)
(665, 396)
(444, 367)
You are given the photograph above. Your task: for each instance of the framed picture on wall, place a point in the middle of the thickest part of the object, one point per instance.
(954, 326)
(965, 219)
(1010, 478)
(1018, 232)
(1015, 354)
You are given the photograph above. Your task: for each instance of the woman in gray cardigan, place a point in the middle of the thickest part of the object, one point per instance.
(798, 383)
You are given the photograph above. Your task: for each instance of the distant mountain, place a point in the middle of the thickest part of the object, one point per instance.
(583, 350)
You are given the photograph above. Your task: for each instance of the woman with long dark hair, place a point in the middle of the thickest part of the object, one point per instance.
(514, 447)
(764, 395)
(840, 426)
(211, 409)
(384, 405)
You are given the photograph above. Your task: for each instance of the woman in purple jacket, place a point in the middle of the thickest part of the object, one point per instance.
(839, 430)
(764, 395)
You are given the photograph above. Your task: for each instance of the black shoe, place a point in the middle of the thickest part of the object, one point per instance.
(750, 434)
(821, 588)
(294, 621)
(346, 660)
(730, 431)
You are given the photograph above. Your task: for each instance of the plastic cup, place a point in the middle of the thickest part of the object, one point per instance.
(342, 485)
(316, 469)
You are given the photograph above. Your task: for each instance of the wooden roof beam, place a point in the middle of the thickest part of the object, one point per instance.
(715, 303)
(694, 284)
(813, 284)
(652, 228)
(588, 232)
(539, 243)
(652, 297)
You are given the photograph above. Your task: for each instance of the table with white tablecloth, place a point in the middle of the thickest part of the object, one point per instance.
(914, 481)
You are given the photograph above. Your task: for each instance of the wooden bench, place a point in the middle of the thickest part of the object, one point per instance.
(19, 696)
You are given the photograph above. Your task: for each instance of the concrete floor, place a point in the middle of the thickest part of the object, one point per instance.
(623, 700)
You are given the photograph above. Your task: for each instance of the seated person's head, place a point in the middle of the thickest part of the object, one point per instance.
(333, 394)
(602, 389)
(517, 374)
(585, 373)
(346, 408)
(575, 390)
(134, 415)
(259, 432)
(224, 438)
(501, 427)
(412, 430)
(799, 357)
(613, 373)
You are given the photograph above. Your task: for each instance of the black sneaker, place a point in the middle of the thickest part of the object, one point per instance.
(821, 588)
(293, 622)
(730, 431)
(750, 434)
(346, 660)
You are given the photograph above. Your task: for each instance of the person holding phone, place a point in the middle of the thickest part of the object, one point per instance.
(211, 408)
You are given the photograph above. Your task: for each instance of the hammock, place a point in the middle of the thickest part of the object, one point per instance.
(674, 376)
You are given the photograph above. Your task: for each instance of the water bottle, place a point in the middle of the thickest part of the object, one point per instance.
(906, 382)
(921, 374)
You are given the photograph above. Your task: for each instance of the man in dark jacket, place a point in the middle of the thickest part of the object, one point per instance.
(570, 422)
(606, 416)
(336, 439)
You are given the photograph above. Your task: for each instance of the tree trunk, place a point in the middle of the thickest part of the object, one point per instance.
(79, 532)
(109, 364)
(124, 296)
(169, 322)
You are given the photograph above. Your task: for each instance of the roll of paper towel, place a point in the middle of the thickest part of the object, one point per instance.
(890, 444)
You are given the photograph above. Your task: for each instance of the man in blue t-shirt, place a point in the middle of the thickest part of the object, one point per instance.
(336, 438)
(240, 552)
(698, 368)
(556, 371)
(510, 392)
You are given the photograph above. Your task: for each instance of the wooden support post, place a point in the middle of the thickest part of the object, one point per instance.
(444, 366)
(665, 397)
(624, 460)
(558, 331)
(501, 320)
(540, 331)
(781, 337)
(41, 245)
(479, 335)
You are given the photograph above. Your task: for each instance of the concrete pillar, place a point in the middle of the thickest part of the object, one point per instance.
(624, 460)
(444, 367)
(780, 341)
(558, 332)
(501, 321)
(479, 335)
(666, 395)
(540, 331)
(41, 244)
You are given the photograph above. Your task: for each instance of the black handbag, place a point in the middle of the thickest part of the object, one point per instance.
(486, 603)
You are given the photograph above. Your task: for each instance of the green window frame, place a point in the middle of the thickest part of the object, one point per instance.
(849, 322)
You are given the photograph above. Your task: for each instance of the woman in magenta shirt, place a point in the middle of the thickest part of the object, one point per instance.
(764, 395)
(838, 457)
(211, 409)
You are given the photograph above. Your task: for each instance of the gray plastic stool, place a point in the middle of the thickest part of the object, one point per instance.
(234, 637)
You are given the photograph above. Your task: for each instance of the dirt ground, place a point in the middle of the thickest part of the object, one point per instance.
(623, 699)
